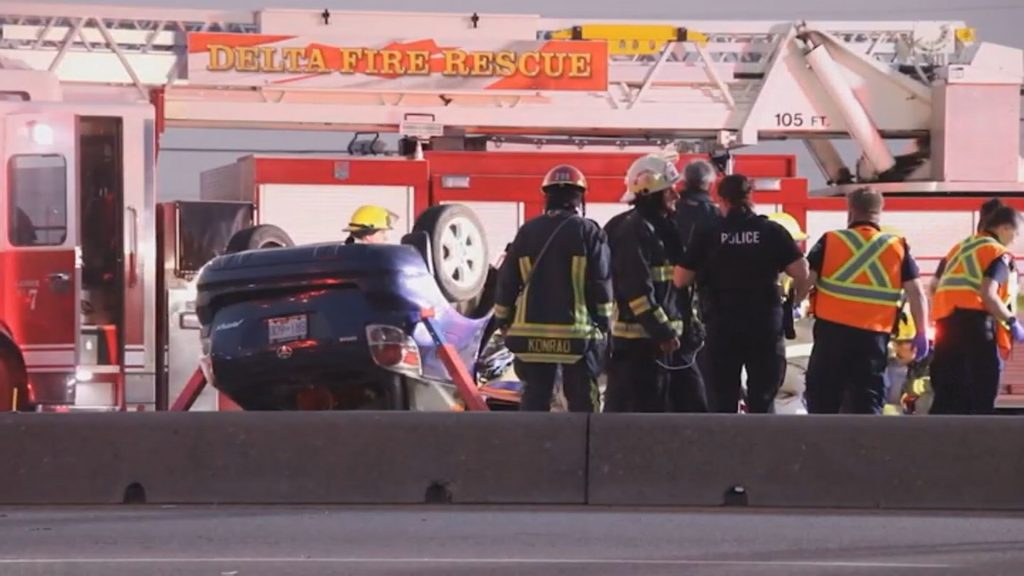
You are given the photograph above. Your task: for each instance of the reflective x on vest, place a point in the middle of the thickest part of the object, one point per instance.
(960, 285)
(966, 269)
(864, 258)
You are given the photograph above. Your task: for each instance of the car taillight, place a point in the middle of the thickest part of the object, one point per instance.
(392, 349)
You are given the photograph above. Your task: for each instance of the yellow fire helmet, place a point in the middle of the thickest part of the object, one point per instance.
(905, 329)
(790, 224)
(371, 218)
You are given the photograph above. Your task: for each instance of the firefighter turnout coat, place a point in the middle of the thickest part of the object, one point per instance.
(647, 304)
(553, 307)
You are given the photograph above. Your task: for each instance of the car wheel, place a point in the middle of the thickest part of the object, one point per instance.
(459, 250)
(258, 238)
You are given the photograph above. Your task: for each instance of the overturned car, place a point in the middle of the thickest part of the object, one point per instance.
(339, 326)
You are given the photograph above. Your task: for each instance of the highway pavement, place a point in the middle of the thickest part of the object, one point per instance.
(461, 540)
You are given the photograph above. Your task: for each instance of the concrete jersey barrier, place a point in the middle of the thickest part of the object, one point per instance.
(974, 463)
(292, 458)
(841, 461)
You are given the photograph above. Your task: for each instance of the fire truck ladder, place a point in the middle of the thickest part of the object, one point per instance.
(723, 83)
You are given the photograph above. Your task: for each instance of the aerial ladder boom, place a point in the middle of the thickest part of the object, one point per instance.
(720, 83)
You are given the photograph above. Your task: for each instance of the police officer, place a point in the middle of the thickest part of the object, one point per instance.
(370, 225)
(554, 298)
(647, 372)
(860, 274)
(741, 259)
(696, 213)
(974, 311)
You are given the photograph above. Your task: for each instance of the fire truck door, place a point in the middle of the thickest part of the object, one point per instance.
(38, 262)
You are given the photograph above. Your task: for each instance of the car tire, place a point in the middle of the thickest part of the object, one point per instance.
(459, 250)
(258, 238)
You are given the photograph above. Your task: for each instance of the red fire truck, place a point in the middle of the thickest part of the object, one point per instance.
(95, 275)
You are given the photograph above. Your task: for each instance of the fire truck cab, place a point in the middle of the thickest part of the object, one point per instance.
(76, 255)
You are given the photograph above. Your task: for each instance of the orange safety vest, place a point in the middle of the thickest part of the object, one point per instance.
(860, 282)
(960, 285)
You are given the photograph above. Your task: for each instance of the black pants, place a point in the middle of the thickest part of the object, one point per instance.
(579, 382)
(752, 340)
(637, 383)
(966, 367)
(846, 364)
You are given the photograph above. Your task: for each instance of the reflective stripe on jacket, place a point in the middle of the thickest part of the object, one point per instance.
(646, 302)
(568, 300)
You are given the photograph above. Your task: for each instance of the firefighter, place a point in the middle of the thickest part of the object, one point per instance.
(787, 289)
(370, 225)
(975, 320)
(792, 310)
(610, 227)
(696, 212)
(554, 298)
(741, 260)
(858, 274)
(647, 372)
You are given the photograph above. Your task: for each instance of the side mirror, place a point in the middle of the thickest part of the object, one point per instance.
(421, 242)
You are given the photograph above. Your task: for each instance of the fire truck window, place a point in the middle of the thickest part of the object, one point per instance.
(37, 210)
(9, 96)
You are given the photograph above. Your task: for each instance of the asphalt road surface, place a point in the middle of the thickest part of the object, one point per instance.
(287, 541)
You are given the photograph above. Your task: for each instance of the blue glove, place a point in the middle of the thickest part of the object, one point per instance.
(921, 347)
(1016, 330)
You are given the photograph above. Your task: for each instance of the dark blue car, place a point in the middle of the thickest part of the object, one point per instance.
(336, 326)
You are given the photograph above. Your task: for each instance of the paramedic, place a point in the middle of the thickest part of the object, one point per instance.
(554, 298)
(858, 273)
(986, 210)
(975, 323)
(741, 260)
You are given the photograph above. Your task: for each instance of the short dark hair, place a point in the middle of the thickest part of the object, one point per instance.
(865, 200)
(1000, 215)
(986, 211)
(735, 189)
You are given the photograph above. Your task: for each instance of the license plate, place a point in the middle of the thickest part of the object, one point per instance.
(287, 328)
